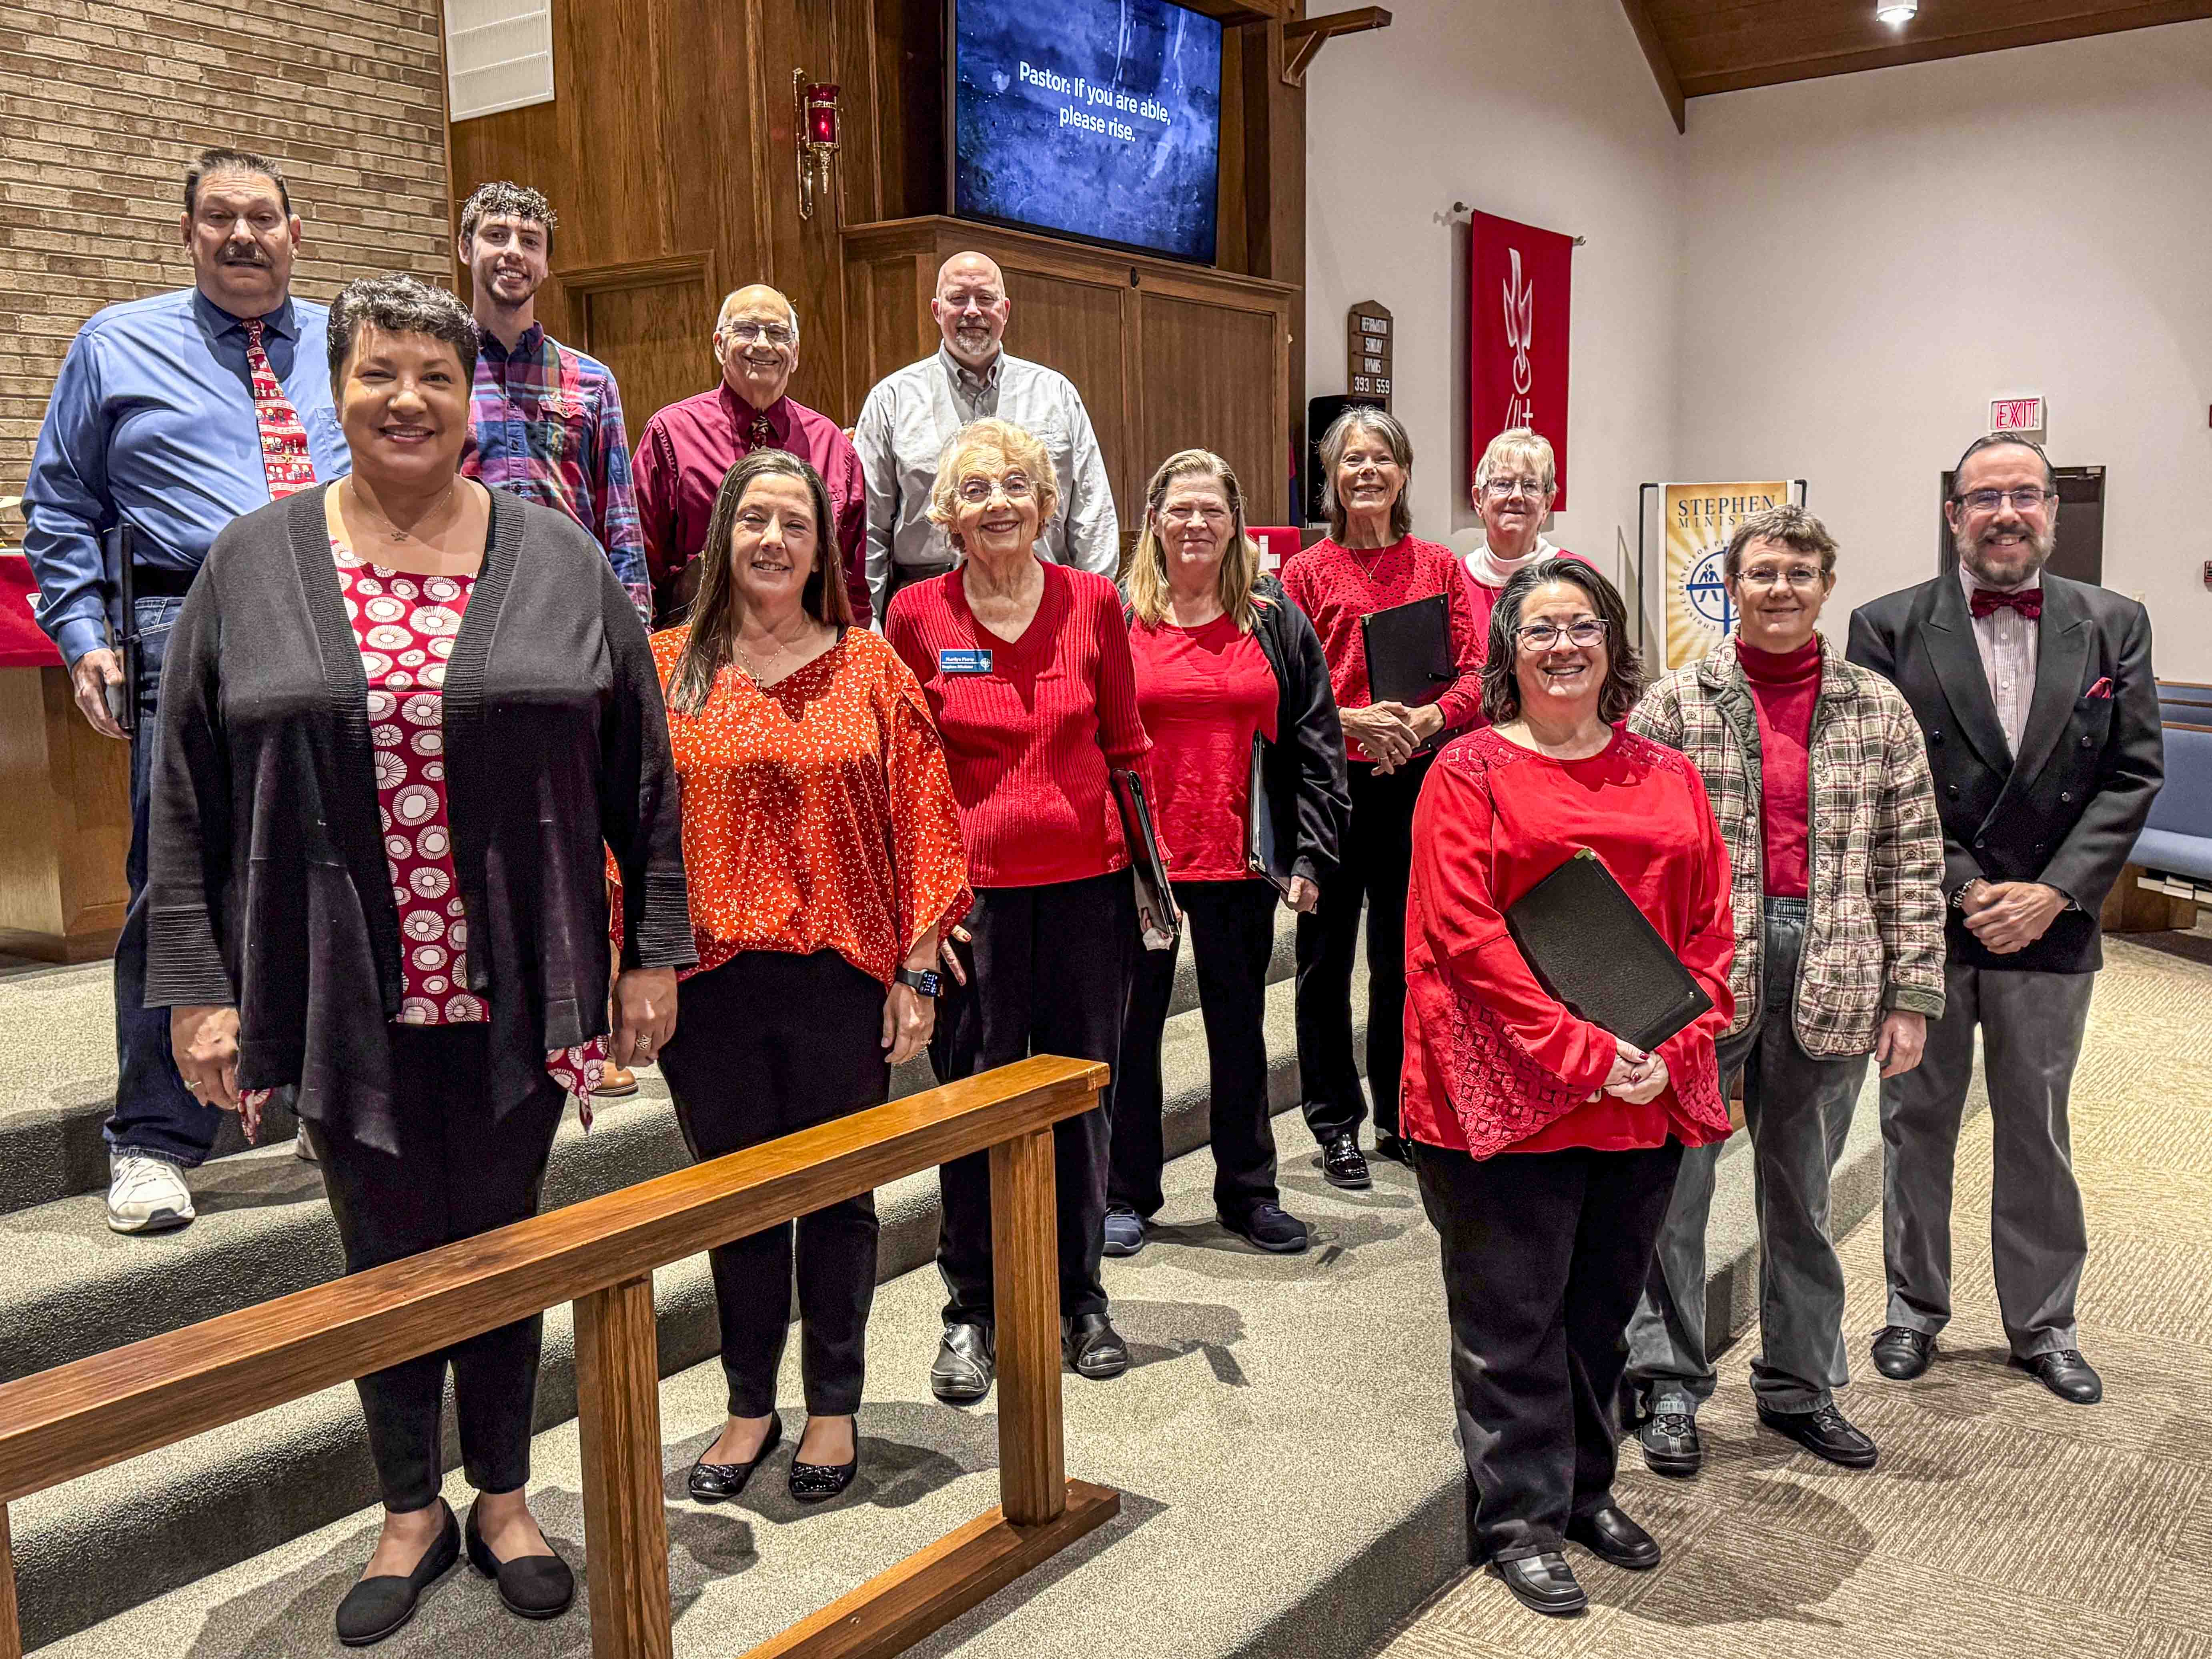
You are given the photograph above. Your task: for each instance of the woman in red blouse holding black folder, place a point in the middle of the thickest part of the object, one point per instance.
(1026, 667)
(1545, 1146)
(1370, 562)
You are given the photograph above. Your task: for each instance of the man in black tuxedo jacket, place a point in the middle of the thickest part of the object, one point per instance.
(2041, 714)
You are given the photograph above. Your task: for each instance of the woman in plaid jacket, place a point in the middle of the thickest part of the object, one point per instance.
(1819, 780)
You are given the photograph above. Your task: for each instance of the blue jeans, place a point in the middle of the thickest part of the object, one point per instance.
(154, 1113)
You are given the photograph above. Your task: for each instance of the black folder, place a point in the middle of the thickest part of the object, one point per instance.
(1159, 922)
(1262, 857)
(1409, 652)
(1597, 952)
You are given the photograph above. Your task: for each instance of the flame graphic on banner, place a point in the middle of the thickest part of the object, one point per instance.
(1520, 332)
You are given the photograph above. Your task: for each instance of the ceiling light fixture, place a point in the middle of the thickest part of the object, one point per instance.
(1896, 13)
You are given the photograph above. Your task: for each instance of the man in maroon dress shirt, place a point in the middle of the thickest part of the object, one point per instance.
(689, 446)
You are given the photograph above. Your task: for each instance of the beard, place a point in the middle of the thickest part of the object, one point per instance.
(1994, 568)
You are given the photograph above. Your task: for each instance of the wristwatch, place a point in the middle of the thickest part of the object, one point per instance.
(924, 980)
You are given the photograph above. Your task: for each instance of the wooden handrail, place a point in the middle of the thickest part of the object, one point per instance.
(69, 1421)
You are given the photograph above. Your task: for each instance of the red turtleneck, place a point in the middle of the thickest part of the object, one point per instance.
(1785, 686)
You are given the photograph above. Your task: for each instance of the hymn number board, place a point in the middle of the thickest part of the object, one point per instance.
(1368, 331)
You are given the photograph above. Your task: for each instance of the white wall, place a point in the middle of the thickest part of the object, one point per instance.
(1541, 111)
(1871, 257)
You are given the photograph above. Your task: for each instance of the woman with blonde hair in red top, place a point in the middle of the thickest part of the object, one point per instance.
(1026, 667)
(824, 850)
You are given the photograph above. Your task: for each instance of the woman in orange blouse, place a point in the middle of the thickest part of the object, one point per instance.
(823, 845)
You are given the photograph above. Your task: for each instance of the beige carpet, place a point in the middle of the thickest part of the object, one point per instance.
(2000, 1520)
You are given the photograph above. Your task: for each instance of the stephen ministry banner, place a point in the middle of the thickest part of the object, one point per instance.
(1699, 518)
(1519, 279)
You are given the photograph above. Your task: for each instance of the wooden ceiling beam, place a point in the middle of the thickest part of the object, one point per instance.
(1655, 53)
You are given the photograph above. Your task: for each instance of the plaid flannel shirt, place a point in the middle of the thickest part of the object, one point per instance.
(1874, 937)
(545, 423)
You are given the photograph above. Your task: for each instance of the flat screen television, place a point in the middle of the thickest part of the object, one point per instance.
(1099, 120)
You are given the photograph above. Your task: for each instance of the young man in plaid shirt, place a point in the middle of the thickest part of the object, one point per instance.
(546, 421)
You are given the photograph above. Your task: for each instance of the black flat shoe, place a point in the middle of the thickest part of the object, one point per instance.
(817, 1483)
(1671, 1446)
(1395, 1147)
(1900, 1354)
(1824, 1433)
(2066, 1375)
(1270, 1227)
(375, 1608)
(532, 1586)
(712, 1483)
(1341, 1165)
(1092, 1347)
(966, 1359)
(1543, 1584)
(1610, 1536)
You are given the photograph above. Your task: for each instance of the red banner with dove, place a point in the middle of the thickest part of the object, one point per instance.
(1519, 282)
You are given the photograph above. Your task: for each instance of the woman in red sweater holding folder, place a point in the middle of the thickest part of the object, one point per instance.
(1545, 1146)
(1026, 668)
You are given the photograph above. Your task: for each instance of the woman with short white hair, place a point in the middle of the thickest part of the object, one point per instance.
(1515, 485)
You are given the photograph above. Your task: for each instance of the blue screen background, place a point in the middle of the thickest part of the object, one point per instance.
(1015, 158)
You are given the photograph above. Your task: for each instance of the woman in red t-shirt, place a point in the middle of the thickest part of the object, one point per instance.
(1546, 1146)
(823, 848)
(1228, 671)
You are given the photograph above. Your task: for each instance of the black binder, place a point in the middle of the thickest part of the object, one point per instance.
(1409, 654)
(1597, 952)
(1262, 855)
(1159, 922)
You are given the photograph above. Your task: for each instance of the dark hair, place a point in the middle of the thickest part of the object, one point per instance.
(1624, 668)
(1789, 524)
(502, 198)
(400, 304)
(1998, 440)
(222, 159)
(1366, 417)
(692, 678)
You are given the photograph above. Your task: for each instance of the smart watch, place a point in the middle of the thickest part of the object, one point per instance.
(924, 980)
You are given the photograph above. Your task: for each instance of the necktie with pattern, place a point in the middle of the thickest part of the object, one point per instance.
(761, 434)
(284, 440)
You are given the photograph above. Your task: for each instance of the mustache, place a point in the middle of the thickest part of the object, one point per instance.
(234, 254)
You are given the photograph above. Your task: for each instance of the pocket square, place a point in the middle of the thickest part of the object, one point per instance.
(2103, 688)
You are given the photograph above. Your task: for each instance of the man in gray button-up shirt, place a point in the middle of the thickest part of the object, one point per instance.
(911, 414)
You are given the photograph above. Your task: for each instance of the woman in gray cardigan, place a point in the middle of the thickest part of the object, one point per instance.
(401, 714)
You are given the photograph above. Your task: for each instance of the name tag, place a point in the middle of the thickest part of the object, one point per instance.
(963, 662)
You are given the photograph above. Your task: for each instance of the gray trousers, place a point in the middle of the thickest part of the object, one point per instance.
(2031, 1025)
(1798, 1109)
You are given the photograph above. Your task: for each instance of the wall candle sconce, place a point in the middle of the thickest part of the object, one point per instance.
(814, 120)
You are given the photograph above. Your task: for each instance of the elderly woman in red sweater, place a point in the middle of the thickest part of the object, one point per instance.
(1545, 1145)
(1025, 665)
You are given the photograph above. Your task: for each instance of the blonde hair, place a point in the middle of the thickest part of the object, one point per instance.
(1146, 583)
(1014, 445)
(1518, 446)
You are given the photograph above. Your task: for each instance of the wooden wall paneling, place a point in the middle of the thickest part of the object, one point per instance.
(1275, 218)
(1230, 251)
(651, 321)
(1204, 381)
(65, 820)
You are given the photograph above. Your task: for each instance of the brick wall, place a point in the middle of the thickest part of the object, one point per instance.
(102, 107)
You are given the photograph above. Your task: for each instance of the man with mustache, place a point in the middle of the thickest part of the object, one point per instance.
(913, 413)
(173, 414)
(689, 449)
(2041, 714)
(545, 420)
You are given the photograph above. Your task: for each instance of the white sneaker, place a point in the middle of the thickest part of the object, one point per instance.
(146, 1194)
(300, 1148)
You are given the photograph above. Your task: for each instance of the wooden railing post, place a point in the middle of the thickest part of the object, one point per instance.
(11, 1633)
(618, 1423)
(1026, 1264)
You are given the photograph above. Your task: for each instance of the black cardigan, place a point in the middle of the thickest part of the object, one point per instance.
(267, 886)
(1303, 768)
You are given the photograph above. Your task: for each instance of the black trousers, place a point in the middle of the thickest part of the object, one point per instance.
(457, 1174)
(1232, 937)
(1543, 1256)
(1047, 974)
(1376, 864)
(766, 1045)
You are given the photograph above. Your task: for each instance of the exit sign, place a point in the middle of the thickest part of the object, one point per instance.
(2016, 415)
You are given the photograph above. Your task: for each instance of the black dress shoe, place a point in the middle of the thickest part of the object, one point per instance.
(1270, 1227)
(375, 1608)
(1543, 1584)
(1901, 1355)
(713, 1483)
(532, 1586)
(1610, 1536)
(966, 1360)
(1395, 1147)
(1342, 1165)
(2066, 1375)
(1824, 1432)
(817, 1483)
(1090, 1343)
(1670, 1442)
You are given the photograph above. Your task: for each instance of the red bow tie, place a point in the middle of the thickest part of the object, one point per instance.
(2028, 601)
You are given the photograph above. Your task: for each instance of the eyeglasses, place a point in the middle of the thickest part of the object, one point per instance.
(1803, 578)
(744, 333)
(1544, 636)
(1014, 488)
(2029, 498)
(1499, 490)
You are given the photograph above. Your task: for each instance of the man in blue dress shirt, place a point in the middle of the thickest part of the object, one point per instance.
(154, 422)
